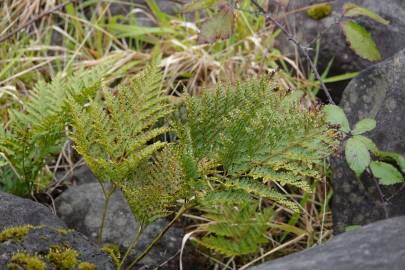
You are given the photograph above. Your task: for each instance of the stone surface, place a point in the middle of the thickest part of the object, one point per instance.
(40, 240)
(48, 231)
(18, 211)
(81, 207)
(389, 39)
(377, 92)
(377, 246)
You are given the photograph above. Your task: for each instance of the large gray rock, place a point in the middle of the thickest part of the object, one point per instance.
(81, 208)
(378, 246)
(377, 92)
(389, 39)
(16, 211)
(47, 231)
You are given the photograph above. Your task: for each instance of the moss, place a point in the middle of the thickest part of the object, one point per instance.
(26, 262)
(113, 251)
(17, 232)
(63, 231)
(63, 258)
(86, 266)
(319, 11)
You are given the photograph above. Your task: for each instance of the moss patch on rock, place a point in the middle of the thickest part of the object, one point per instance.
(26, 262)
(17, 232)
(63, 258)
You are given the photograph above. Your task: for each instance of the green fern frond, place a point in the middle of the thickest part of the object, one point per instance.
(36, 132)
(235, 233)
(114, 135)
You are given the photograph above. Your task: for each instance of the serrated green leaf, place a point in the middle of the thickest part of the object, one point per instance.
(387, 173)
(353, 10)
(361, 41)
(371, 146)
(398, 158)
(221, 26)
(364, 125)
(336, 116)
(357, 155)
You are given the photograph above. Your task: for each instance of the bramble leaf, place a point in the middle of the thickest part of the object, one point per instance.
(363, 126)
(368, 143)
(353, 10)
(357, 155)
(219, 27)
(387, 173)
(361, 41)
(336, 116)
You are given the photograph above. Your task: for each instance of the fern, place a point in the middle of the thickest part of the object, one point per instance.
(259, 137)
(236, 230)
(118, 134)
(37, 131)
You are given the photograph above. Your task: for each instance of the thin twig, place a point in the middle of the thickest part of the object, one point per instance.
(47, 12)
(300, 47)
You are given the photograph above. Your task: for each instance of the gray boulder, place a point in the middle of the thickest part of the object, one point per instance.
(16, 211)
(45, 231)
(377, 92)
(389, 38)
(377, 246)
(81, 208)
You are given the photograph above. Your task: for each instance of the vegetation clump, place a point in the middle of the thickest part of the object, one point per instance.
(63, 258)
(17, 232)
(86, 266)
(25, 261)
(319, 11)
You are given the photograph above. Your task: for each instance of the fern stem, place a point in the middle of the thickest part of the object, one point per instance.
(107, 197)
(182, 210)
(131, 246)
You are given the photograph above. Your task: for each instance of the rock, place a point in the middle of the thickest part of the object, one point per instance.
(377, 246)
(29, 227)
(389, 38)
(81, 208)
(16, 211)
(377, 92)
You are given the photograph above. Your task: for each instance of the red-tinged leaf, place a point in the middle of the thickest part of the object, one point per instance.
(221, 26)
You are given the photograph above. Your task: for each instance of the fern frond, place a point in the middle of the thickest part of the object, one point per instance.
(113, 135)
(36, 132)
(237, 230)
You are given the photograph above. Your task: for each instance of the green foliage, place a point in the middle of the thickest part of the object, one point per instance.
(236, 230)
(118, 134)
(387, 173)
(113, 134)
(357, 155)
(238, 143)
(361, 41)
(319, 11)
(37, 131)
(360, 150)
(353, 10)
(25, 261)
(63, 258)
